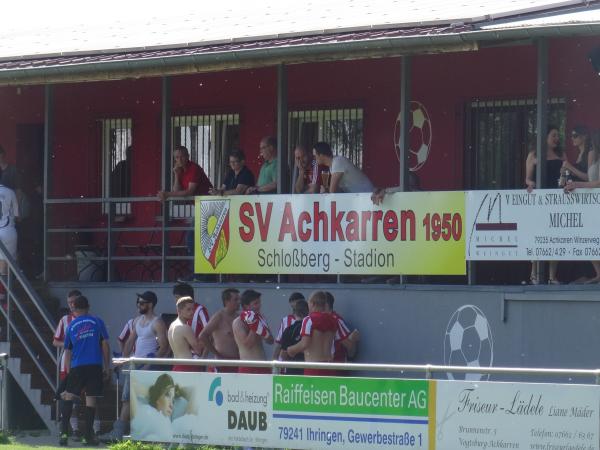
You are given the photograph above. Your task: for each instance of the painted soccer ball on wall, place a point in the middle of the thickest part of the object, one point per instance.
(420, 135)
(468, 342)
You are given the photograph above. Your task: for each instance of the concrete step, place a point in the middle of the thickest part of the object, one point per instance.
(24, 382)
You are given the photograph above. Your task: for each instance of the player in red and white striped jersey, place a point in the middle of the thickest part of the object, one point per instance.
(199, 320)
(317, 335)
(58, 339)
(286, 322)
(125, 333)
(345, 342)
(249, 330)
(201, 317)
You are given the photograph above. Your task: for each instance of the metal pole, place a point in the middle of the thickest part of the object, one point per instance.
(8, 306)
(283, 170)
(48, 132)
(117, 402)
(109, 241)
(166, 173)
(405, 95)
(541, 123)
(4, 362)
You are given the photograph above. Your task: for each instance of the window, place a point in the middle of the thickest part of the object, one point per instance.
(341, 128)
(116, 163)
(499, 135)
(208, 138)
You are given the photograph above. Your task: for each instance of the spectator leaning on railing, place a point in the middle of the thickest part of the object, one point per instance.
(188, 179)
(267, 177)
(238, 178)
(307, 173)
(593, 174)
(345, 176)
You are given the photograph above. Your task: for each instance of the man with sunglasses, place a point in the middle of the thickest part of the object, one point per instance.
(148, 339)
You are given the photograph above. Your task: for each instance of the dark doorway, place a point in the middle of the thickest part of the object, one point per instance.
(499, 134)
(30, 182)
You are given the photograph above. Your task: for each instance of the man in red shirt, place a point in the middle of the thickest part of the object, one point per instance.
(189, 179)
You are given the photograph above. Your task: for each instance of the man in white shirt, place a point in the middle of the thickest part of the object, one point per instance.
(9, 211)
(148, 339)
(345, 176)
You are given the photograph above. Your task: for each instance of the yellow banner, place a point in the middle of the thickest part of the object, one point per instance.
(416, 233)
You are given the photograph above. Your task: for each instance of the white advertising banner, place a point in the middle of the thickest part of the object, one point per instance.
(487, 415)
(546, 224)
(279, 411)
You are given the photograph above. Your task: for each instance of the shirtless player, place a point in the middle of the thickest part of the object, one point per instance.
(249, 329)
(217, 335)
(181, 337)
(318, 331)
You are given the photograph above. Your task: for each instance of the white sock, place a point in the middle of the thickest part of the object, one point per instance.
(96, 426)
(74, 423)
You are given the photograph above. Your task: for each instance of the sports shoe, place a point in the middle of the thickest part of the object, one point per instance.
(114, 435)
(77, 435)
(63, 439)
(90, 441)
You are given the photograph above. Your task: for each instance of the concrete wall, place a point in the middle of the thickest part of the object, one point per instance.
(530, 327)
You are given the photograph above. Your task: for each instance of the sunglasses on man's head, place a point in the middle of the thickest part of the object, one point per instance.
(142, 302)
(574, 135)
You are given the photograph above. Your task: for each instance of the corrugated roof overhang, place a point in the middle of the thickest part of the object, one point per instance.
(291, 50)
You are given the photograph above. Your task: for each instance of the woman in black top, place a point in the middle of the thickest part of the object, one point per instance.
(580, 136)
(555, 158)
(238, 178)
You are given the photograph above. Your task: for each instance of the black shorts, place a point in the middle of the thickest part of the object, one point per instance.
(88, 378)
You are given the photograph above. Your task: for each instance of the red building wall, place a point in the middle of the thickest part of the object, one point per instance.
(444, 83)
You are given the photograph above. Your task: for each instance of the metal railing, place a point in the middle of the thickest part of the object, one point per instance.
(3, 391)
(151, 252)
(15, 278)
(426, 369)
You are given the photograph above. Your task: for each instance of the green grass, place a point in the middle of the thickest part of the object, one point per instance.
(125, 445)
(15, 442)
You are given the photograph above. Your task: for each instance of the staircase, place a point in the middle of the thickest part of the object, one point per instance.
(26, 334)
(27, 324)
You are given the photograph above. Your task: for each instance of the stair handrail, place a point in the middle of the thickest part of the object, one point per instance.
(14, 270)
(36, 361)
(4, 392)
(30, 291)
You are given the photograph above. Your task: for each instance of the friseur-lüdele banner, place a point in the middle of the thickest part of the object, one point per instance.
(410, 233)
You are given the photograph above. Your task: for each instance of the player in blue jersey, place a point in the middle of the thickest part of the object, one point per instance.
(87, 360)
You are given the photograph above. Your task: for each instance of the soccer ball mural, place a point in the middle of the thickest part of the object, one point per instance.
(420, 134)
(468, 342)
